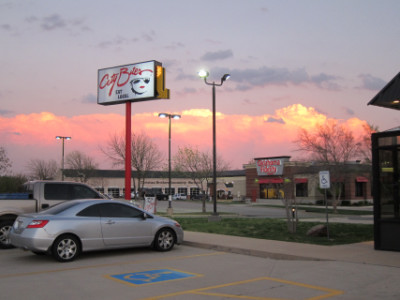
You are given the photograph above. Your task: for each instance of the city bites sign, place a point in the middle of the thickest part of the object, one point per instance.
(136, 82)
(270, 165)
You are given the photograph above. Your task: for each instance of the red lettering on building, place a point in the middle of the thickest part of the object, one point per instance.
(268, 170)
(120, 78)
(268, 162)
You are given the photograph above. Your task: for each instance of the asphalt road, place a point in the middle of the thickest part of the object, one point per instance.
(241, 209)
(264, 211)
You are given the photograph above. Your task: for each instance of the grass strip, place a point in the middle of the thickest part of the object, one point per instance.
(277, 229)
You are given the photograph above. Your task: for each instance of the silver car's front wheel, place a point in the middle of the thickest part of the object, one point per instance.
(164, 240)
(66, 248)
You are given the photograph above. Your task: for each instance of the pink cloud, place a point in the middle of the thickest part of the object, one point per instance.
(239, 137)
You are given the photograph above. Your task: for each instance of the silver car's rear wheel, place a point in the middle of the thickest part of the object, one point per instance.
(66, 248)
(5, 228)
(164, 240)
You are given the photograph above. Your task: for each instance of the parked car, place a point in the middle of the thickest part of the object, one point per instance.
(162, 197)
(76, 226)
(179, 197)
(198, 197)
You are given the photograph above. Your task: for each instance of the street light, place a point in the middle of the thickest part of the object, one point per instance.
(176, 117)
(63, 138)
(204, 74)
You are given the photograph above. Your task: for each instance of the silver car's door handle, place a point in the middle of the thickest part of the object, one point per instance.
(110, 222)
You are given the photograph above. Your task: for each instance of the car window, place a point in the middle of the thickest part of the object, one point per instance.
(90, 211)
(83, 192)
(62, 191)
(57, 191)
(117, 210)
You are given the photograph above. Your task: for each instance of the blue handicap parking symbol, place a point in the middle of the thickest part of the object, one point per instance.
(152, 276)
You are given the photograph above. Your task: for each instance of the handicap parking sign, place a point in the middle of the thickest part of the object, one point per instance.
(152, 276)
(324, 180)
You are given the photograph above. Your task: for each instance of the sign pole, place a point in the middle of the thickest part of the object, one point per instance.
(327, 215)
(128, 151)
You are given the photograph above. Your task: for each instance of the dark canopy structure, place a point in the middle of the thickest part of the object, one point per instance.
(386, 173)
(389, 96)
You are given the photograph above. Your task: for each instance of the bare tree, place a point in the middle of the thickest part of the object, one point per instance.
(145, 155)
(365, 144)
(80, 165)
(42, 170)
(198, 166)
(5, 163)
(332, 145)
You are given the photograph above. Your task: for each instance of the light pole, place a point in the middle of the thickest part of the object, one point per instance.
(169, 116)
(63, 138)
(204, 74)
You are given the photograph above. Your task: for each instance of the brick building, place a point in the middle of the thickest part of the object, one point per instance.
(278, 177)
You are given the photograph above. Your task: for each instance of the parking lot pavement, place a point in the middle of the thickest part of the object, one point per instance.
(189, 272)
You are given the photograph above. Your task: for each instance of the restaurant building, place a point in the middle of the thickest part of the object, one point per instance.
(278, 177)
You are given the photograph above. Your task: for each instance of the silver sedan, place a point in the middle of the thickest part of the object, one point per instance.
(69, 228)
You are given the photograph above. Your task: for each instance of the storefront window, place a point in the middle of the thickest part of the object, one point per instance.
(113, 192)
(168, 192)
(302, 189)
(360, 189)
(194, 191)
(182, 191)
(271, 191)
(389, 141)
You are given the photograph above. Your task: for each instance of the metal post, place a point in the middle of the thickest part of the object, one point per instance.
(214, 154)
(204, 74)
(63, 138)
(169, 116)
(327, 216)
(62, 160)
(169, 167)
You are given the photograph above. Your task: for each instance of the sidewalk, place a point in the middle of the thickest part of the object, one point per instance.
(357, 253)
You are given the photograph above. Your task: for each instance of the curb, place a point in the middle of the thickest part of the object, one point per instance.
(250, 252)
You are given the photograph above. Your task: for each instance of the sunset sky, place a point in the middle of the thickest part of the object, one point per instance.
(293, 64)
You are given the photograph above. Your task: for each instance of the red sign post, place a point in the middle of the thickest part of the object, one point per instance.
(128, 151)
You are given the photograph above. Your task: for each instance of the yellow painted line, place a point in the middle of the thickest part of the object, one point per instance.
(202, 291)
(235, 296)
(110, 265)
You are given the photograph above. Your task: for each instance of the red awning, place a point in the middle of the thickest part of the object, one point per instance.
(301, 180)
(271, 180)
(361, 179)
